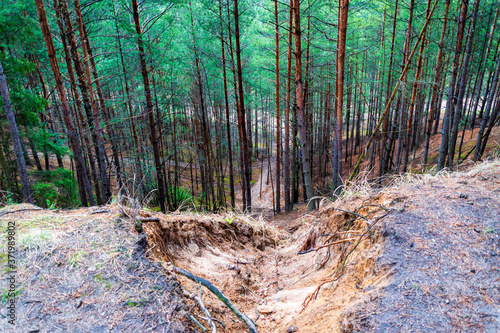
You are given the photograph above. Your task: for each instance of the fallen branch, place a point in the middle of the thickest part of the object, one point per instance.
(19, 210)
(250, 324)
(329, 244)
(213, 329)
(147, 219)
(100, 211)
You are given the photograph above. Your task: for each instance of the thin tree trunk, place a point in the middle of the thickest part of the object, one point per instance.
(81, 124)
(247, 205)
(483, 69)
(459, 103)
(489, 104)
(132, 120)
(299, 93)
(278, 123)
(237, 103)
(149, 108)
(88, 57)
(436, 87)
(84, 183)
(387, 138)
(90, 109)
(286, 162)
(226, 101)
(448, 115)
(340, 69)
(16, 140)
(414, 93)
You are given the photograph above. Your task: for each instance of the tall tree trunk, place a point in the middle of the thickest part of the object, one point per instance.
(89, 58)
(402, 101)
(299, 94)
(415, 91)
(132, 120)
(448, 115)
(387, 138)
(237, 103)
(90, 109)
(226, 101)
(278, 123)
(286, 162)
(247, 205)
(16, 140)
(483, 68)
(149, 108)
(436, 87)
(339, 97)
(459, 102)
(84, 130)
(82, 176)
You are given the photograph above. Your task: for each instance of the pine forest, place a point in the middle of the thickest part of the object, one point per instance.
(292, 125)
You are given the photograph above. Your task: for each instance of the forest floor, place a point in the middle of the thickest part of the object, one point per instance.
(422, 254)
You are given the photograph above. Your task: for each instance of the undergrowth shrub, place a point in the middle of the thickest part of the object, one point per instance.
(55, 188)
(179, 197)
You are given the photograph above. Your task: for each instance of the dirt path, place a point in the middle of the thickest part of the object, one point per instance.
(264, 188)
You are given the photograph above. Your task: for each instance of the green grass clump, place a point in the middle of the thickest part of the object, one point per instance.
(179, 196)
